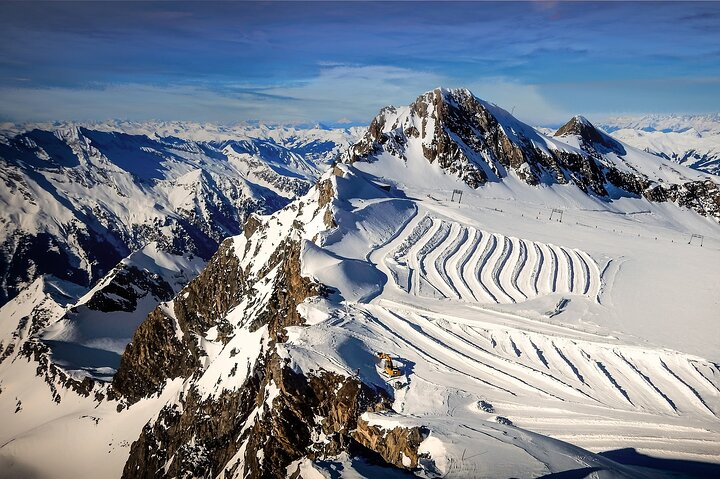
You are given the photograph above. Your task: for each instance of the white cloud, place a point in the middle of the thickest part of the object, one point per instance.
(126, 101)
(351, 92)
(529, 104)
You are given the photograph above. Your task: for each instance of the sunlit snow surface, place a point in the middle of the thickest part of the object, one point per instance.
(599, 331)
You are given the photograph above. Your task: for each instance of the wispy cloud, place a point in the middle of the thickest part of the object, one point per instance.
(353, 93)
(302, 61)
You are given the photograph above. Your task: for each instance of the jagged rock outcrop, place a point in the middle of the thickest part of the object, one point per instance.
(128, 285)
(164, 346)
(702, 196)
(480, 142)
(398, 446)
(591, 138)
(474, 140)
(273, 414)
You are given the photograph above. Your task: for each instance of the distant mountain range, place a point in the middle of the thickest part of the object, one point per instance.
(78, 199)
(692, 141)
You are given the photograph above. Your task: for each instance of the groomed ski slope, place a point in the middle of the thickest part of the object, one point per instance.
(495, 310)
(448, 260)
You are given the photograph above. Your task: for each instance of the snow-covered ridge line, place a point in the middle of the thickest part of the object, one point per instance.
(69, 191)
(704, 124)
(192, 131)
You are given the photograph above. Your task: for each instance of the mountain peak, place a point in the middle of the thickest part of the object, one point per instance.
(467, 137)
(577, 125)
(590, 136)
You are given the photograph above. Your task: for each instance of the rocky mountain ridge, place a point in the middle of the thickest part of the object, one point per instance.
(479, 142)
(78, 200)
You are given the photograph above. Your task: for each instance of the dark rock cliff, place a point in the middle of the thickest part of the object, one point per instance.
(479, 142)
(158, 351)
(277, 414)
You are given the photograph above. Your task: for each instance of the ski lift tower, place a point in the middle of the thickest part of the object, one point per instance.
(557, 211)
(697, 237)
(457, 193)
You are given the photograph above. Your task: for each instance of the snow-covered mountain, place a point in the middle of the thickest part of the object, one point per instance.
(540, 298)
(77, 199)
(709, 124)
(692, 141)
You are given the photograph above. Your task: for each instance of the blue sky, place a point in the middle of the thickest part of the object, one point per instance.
(341, 62)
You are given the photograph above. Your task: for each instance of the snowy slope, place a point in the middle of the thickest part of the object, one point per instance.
(526, 342)
(688, 147)
(91, 335)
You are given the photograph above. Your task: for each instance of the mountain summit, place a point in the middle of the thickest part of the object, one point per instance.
(480, 142)
(590, 137)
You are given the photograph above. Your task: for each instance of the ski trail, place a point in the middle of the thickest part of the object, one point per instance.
(568, 363)
(447, 259)
(415, 338)
(430, 249)
(526, 277)
(456, 263)
(448, 276)
(683, 386)
(414, 273)
(429, 255)
(540, 254)
(450, 341)
(586, 279)
(657, 394)
(488, 245)
(602, 368)
(486, 269)
(570, 270)
(593, 279)
(557, 272)
(520, 262)
(465, 265)
(545, 276)
(499, 272)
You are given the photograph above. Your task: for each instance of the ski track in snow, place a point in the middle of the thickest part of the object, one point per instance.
(630, 394)
(463, 263)
(636, 395)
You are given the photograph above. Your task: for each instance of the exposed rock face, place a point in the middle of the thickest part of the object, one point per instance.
(274, 414)
(398, 447)
(472, 139)
(129, 284)
(592, 138)
(479, 142)
(701, 196)
(165, 345)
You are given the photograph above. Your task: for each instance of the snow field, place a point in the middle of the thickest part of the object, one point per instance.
(607, 394)
(445, 259)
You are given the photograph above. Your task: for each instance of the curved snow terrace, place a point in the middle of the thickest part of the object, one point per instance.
(567, 328)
